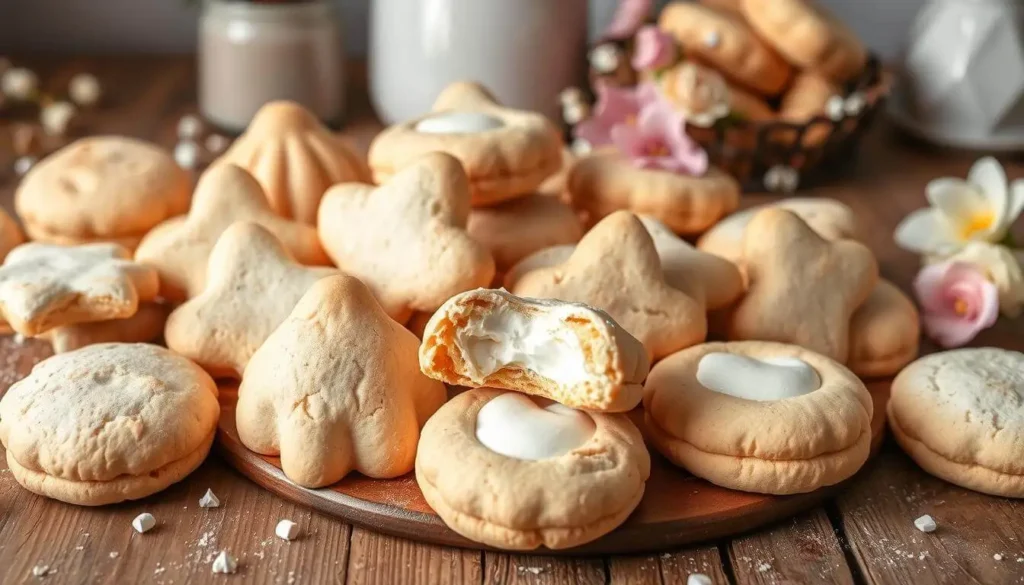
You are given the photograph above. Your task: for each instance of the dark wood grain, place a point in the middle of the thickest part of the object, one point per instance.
(801, 550)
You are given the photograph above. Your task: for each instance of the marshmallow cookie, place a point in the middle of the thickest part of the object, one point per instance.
(108, 423)
(101, 189)
(724, 41)
(616, 268)
(831, 220)
(605, 182)
(759, 416)
(179, 248)
(43, 286)
(960, 416)
(517, 472)
(884, 332)
(506, 153)
(294, 158)
(515, 229)
(567, 352)
(807, 35)
(253, 285)
(406, 239)
(336, 388)
(802, 288)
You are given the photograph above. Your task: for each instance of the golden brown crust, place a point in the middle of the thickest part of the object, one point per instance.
(884, 333)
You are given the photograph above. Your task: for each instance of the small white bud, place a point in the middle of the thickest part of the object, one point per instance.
(186, 154)
(56, 117)
(84, 89)
(190, 127)
(19, 83)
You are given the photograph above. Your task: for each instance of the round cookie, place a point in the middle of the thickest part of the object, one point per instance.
(488, 461)
(103, 188)
(960, 416)
(108, 423)
(831, 219)
(808, 36)
(758, 416)
(604, 183)
(506, 153)
(884, 333)
(726, 42)
(515, 229)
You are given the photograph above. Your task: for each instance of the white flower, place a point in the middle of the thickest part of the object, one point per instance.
(835, 108)
(999, 265)
(570, 95)
(781, 179)
(84, 89)
(189, 127)
(575, 113)
(19, 83)
(981, 208)
(605, 58)
(186, 154)
(855, 103)
(56, 117)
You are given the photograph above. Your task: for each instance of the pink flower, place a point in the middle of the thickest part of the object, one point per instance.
(628, 17)
(658, 141)
(653, 49)
(615, 106)
(957, 302)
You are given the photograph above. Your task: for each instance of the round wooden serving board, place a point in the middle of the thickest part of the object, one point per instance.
(677, 508)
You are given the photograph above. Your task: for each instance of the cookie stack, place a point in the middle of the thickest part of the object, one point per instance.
(546, 379)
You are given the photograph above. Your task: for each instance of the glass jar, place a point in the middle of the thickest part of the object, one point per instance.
(252, 53)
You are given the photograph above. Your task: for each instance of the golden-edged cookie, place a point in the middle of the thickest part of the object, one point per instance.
(884, 332)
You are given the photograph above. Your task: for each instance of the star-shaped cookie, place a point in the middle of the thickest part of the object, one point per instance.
(226, 193)
(253, 284)
(615, 267)
(406, 239)
(44, 286)
(802, 288)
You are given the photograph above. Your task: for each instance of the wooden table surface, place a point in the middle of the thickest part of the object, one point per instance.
(866, 535)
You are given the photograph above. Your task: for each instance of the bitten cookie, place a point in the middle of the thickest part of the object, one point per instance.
(406, 239)
(253, 285)
(759, 416)
(802, 289)
(616, 268)
(567, 352)
(960, 416)
(884, 333)
(146, 324)
(506, 153)
(44, 286)
(515, 229)
(103, 188)
(808, 36)
(180, 247)
(513, 472)
(294, 158)
(603, 183)
(336, 388)
(108, 423)
(726, 42)
(831, 219)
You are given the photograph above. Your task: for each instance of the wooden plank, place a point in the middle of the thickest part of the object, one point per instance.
(379, 559)
(980, 539)
(635, 570)
(505, 569)
(676, 567)
(804, 549)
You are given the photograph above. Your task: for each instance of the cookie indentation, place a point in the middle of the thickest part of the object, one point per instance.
(518, 426)
(770, 378)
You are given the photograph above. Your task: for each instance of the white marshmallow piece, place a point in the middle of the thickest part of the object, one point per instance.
(774, 378)
(209, 500)
(514, 425)
(144, 522)
(458, 123)
(925, 523)
(225, 563)
(698, 579)
(40, 570)
(287, 530)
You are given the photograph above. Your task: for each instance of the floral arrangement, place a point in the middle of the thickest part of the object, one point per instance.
(972, 268)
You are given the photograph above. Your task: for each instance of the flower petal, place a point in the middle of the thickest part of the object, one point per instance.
(925, 231)
(628, 17)
(957, 199)
(928, 287)
(1015, 205)
(989, 179)
(629, 140)
(949, 331)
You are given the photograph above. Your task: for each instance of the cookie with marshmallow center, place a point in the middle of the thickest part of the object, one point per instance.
(564, 351)
(517, 472)
(758, 416)
(506, 153)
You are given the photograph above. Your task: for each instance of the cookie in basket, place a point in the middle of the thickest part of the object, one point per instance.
(406, 239)
(884, 333)
(568, 352)
(101, 189)
(506, 153)
(758, 416)
(616, 268)
(960, 416)
(518, 472)
(807, 97)
(108, 423)
(295, 158)
(336, 388)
